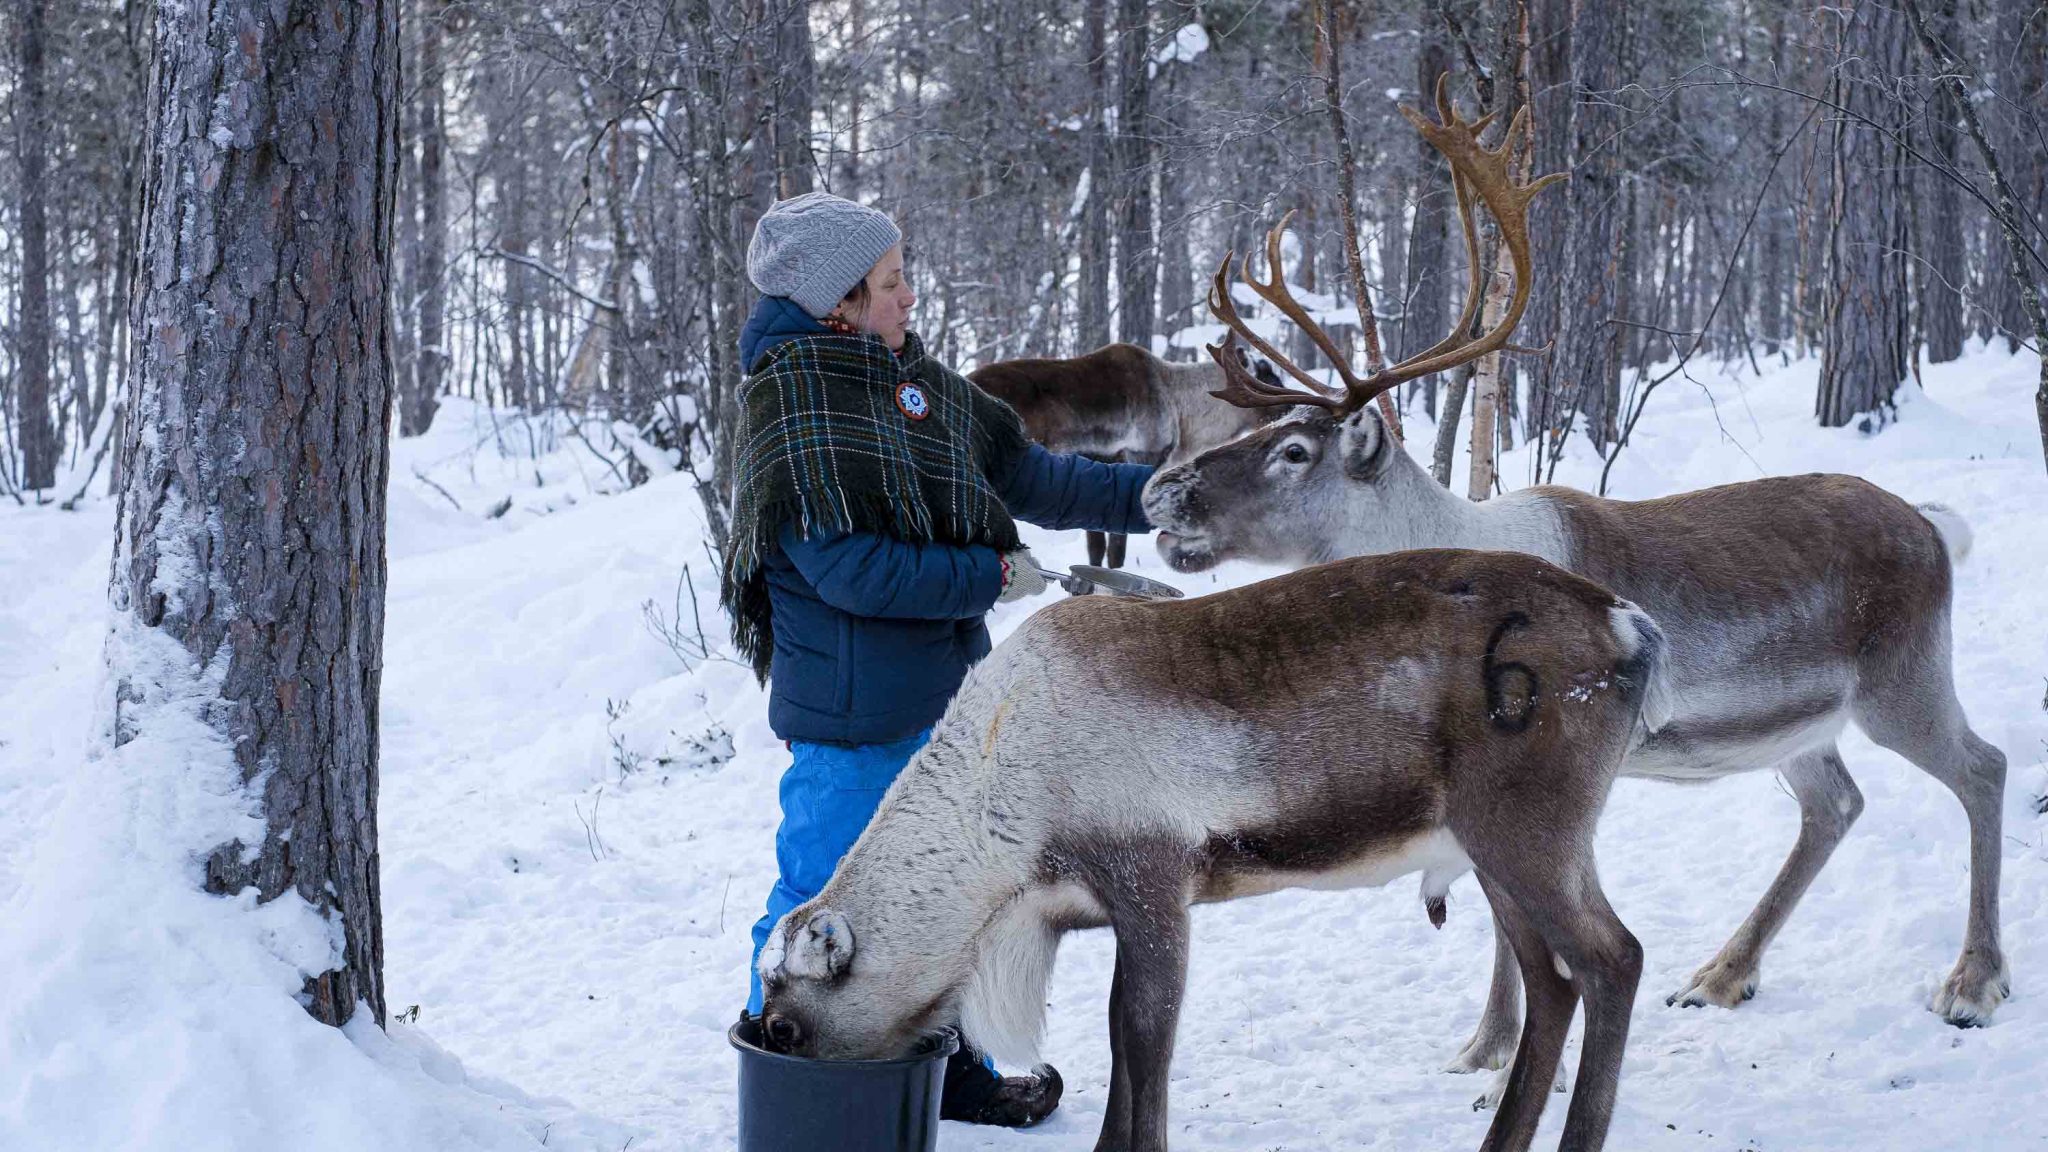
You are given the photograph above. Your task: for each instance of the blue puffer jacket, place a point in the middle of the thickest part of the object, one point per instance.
(872, 634)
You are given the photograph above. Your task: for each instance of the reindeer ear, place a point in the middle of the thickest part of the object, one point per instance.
(1361, 437)
(821, 948)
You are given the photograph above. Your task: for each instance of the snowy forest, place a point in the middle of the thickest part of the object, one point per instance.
(576, 184)
(376, 770)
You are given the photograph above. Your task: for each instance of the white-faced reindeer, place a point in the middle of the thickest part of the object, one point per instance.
(1438, 711)
(1795, 606)
(1120, 403)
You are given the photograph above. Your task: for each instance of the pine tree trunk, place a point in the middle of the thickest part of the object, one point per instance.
(1584, 369)
(1864, 350)
(796, 83)
(417, 413)
(1940, 272)
(2018, 72)
(1774, 223)
(1137, 254)
(505, 114)
(39, 448)
(251, 521)
(1550, 34)
(850, 170)
(1449, 414)
(84, 410)
(1177, 294)
(1093, 305)
(719, 211)
(405, 252)
(1425, 311)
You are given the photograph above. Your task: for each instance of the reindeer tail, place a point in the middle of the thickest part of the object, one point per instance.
(1955, 531)
(1646, 663)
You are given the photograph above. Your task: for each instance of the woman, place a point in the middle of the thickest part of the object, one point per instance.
(874, 491)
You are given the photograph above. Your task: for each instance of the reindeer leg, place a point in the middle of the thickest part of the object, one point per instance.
(1551, 1003)
(1829, 803)
(1606, 964)
(1116, 1120)
(1151, 922)
(1095, 545)
(1945, 748)
(1493, 1042)
(1979, 982)
(1116, 543)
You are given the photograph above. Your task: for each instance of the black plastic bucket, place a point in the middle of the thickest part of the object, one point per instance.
(795, 1104)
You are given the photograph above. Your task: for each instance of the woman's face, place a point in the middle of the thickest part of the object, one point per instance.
(887, 312)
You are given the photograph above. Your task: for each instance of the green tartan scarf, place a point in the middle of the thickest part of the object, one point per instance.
(840, 435)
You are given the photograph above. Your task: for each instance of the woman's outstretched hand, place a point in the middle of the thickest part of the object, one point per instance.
(1021, 576)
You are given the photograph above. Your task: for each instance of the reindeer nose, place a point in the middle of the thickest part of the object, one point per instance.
(1172, 499)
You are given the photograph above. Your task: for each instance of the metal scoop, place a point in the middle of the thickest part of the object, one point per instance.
(1082, 579)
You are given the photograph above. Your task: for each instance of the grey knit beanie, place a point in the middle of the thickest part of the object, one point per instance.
(814, 248)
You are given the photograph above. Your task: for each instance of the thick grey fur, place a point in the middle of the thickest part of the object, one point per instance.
(1795, 606)
(1115, 761)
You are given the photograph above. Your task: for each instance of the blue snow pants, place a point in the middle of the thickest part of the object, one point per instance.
(828, 795)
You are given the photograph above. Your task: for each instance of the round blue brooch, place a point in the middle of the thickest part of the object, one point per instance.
(910, 398)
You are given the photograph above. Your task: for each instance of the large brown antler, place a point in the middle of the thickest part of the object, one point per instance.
(1477, 174)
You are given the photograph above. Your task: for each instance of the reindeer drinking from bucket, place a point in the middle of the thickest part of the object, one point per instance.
(1120, 403)
(1795, 605)
(1436, 711)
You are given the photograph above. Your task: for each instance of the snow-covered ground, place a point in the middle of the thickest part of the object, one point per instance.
(576, 823)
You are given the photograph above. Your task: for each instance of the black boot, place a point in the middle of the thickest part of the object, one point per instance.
(979, 1096)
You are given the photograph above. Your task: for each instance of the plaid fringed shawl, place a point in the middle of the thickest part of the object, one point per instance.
(822, 440)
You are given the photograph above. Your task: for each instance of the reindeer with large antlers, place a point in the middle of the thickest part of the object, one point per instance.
(1795, 605)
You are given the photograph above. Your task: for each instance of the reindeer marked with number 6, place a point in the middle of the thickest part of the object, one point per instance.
(1795, 605)
(1115, 761)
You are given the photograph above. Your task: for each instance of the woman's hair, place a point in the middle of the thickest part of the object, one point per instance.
(857, 296)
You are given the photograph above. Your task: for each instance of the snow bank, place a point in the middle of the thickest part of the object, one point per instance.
(576, 821)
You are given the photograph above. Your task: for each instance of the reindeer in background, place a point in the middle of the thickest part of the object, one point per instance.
(1795, 605)
(1120, 403)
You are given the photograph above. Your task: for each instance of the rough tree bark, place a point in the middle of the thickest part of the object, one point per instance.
(1584, 367)
(1093, 305)
(1774, 222)
(1137, 254)
(2015, 121)
(1938, 276)
(1177, 293)
(721, 219)
(1549, 38)
(250, 528)
(1425, 314)
(1864, 340)
(38, 438)
(796, 84)
(504, 116)
(431, 369)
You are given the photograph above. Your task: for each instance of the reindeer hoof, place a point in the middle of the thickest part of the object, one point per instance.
(1490, 1099)
(1484, 1053)
(1972, 992)
(1715, 985)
